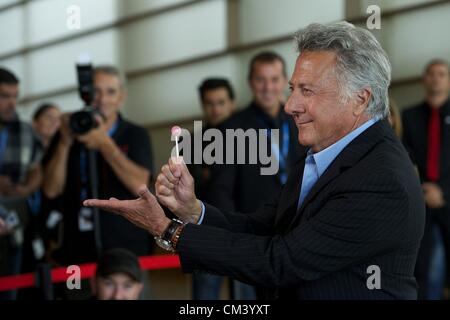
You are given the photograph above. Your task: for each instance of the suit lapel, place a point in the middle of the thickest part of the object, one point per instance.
(289, 197)
(445, 152)
(348, 157)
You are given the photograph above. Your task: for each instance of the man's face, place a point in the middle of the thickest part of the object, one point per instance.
(8, 101)
(320, 115)
(118, 286)
(437, 79)
(109, 94)
(217, 106)
(48, 123)
(268, 84)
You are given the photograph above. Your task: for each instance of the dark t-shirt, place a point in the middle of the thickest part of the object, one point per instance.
(79, 246)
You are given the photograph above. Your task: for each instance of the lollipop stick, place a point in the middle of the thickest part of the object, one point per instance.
(176, 131)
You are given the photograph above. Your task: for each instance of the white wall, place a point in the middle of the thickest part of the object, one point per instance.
(263, 19)
(47, 19)
(12, 24)
(175, 35)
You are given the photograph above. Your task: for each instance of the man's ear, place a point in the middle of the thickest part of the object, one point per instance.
(363, 99)
(123, 97)
(233, 106)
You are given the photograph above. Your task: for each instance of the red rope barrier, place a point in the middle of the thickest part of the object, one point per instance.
(59, 274)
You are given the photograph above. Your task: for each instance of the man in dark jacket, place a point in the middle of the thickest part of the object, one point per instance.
(349, 220)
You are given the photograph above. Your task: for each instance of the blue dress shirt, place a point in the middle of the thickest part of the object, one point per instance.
(317, 163)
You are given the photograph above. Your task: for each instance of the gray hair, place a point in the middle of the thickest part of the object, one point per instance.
(113, 71)
(361, 62)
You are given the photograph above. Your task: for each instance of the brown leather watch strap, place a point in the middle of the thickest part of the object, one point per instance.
(176, 236)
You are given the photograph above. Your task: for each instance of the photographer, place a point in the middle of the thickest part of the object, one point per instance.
(20, 176)
(124, 161)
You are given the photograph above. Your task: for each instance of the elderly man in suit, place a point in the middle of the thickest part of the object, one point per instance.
(347, 223)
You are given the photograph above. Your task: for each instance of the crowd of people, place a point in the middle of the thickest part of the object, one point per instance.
(45, 175)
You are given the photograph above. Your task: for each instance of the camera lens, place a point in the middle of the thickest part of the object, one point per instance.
(81, 122)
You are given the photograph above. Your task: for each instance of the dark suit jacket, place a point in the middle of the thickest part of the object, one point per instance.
(415, 137)
(366, 209)
(241, 187)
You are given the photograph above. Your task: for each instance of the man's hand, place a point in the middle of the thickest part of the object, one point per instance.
(66, 135)
(4, 230)
(175, 190)
(433, 194)
(97, 137)
(145, 212)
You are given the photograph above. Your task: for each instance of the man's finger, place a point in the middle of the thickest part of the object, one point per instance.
(163, 191)
(167, 201)
(168, 174)
(162, 180)
(99, 119)
(144, 193)
(179, 169)
(106, 205)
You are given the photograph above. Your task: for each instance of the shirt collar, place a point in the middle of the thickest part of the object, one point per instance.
(325, 157)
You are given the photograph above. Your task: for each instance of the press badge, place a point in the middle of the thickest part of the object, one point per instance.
(85, 219)
(12, 220)
(38, 248)
(53, 219)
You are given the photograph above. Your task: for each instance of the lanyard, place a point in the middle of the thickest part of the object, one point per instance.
(3, 144)
(282, 158)
(84, 177)
(34, 203)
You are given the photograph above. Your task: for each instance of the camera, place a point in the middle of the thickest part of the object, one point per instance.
(84, 120)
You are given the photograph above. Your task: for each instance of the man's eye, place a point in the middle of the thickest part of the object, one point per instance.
(307, 92)
(128, 286)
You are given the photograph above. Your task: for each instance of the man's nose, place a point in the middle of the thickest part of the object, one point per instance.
(266, 86)
(118, 294)
(294, 105)
(288, 105)
(12, 102)
(99, 99)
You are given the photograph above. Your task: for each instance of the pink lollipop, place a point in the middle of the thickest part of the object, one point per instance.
(176, 132)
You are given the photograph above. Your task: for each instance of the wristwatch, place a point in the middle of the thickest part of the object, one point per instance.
(169, 239)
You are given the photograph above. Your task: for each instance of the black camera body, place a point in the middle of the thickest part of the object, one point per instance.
(84, 120)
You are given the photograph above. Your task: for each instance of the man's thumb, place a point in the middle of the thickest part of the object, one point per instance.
(144, 193)
(178, 166)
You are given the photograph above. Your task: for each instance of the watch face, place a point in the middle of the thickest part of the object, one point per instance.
(166, 245)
